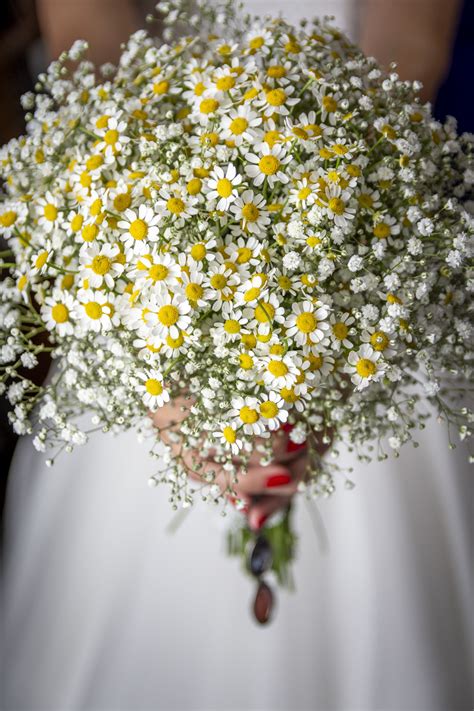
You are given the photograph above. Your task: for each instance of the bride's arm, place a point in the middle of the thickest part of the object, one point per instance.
(103, 23)
(417, 34)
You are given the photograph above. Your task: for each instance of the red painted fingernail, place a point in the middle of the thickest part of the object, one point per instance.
(293, 447)
(278, 480)
(260, 521)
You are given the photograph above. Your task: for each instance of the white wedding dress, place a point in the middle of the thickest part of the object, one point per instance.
(105, 610)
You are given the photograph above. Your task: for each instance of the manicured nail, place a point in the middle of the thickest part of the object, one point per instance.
(278, 480)
(293, 447)
(260, 521)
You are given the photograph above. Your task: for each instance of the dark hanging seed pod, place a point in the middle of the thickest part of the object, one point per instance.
(263, 605)
(260, 558)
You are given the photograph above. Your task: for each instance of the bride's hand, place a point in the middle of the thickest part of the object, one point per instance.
(262, 489)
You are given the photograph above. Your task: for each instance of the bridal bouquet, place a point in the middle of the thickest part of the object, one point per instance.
(256, 216)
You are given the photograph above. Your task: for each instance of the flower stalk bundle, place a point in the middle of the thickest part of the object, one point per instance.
(256, 216)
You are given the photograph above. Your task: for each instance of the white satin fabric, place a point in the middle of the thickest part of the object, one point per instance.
(104, 610)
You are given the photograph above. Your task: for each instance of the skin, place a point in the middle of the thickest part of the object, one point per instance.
(417, 34)
(251, 484)
(105, 24)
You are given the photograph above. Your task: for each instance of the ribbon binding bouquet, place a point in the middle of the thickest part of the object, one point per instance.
(252, 221)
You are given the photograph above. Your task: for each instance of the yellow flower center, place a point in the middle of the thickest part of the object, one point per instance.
(284, 282)
(276, 97)
(277, 368)
(329, 104)
(60, 313)
(382, 230)
(269, 165)
(365, 200)
(122, 201)
(379, 340)
(194, 291)
(194, 186)
(248, 415)
(101, 265)
(244, 255)
(337, 206)
(8, 218)
(246, 361)
(158, 272)
(208, 106)
(218, 281)
(93, 310)
(138, 229)
(306, 322)
(250, 212)
(269, 409)
(89, 233)
(111, 137)
(224, 187)
(175, 205)
(238, 126)
(304, 193)
(288, 395)
(225, 83)
(50, 212)
(94, 162)
(41, 260)
(168, 315)
(340, 330)
(256, 43)
(153, 386)
(161, 87)
(229, 435)
(252, 294)
(272, 137)
(175, 342)
(316, 361)
(276, 72)
(198, 251)
(365, 367)
(264, 312)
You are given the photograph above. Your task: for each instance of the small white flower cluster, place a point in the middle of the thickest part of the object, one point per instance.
(256, 216)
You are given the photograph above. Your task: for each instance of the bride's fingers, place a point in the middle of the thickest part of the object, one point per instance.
(273, 479)
(261, 510)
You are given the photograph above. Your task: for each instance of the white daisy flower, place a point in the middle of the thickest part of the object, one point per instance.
(307, 324)
(48, 212)
(340, 328)
(100, 264)
(364, 366)
(238, 125)
(337, 206)
(272, 410)
(176, 205)
(152, 389)
(246, 414)
(171, 315)
(279, 371)
(58, 312)
(113, 138)
(380, 340)
(95, 310)
(228, 436)
(267, 166)
(222, 186)
(249, 209)
(139, 228)
(155, 270)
